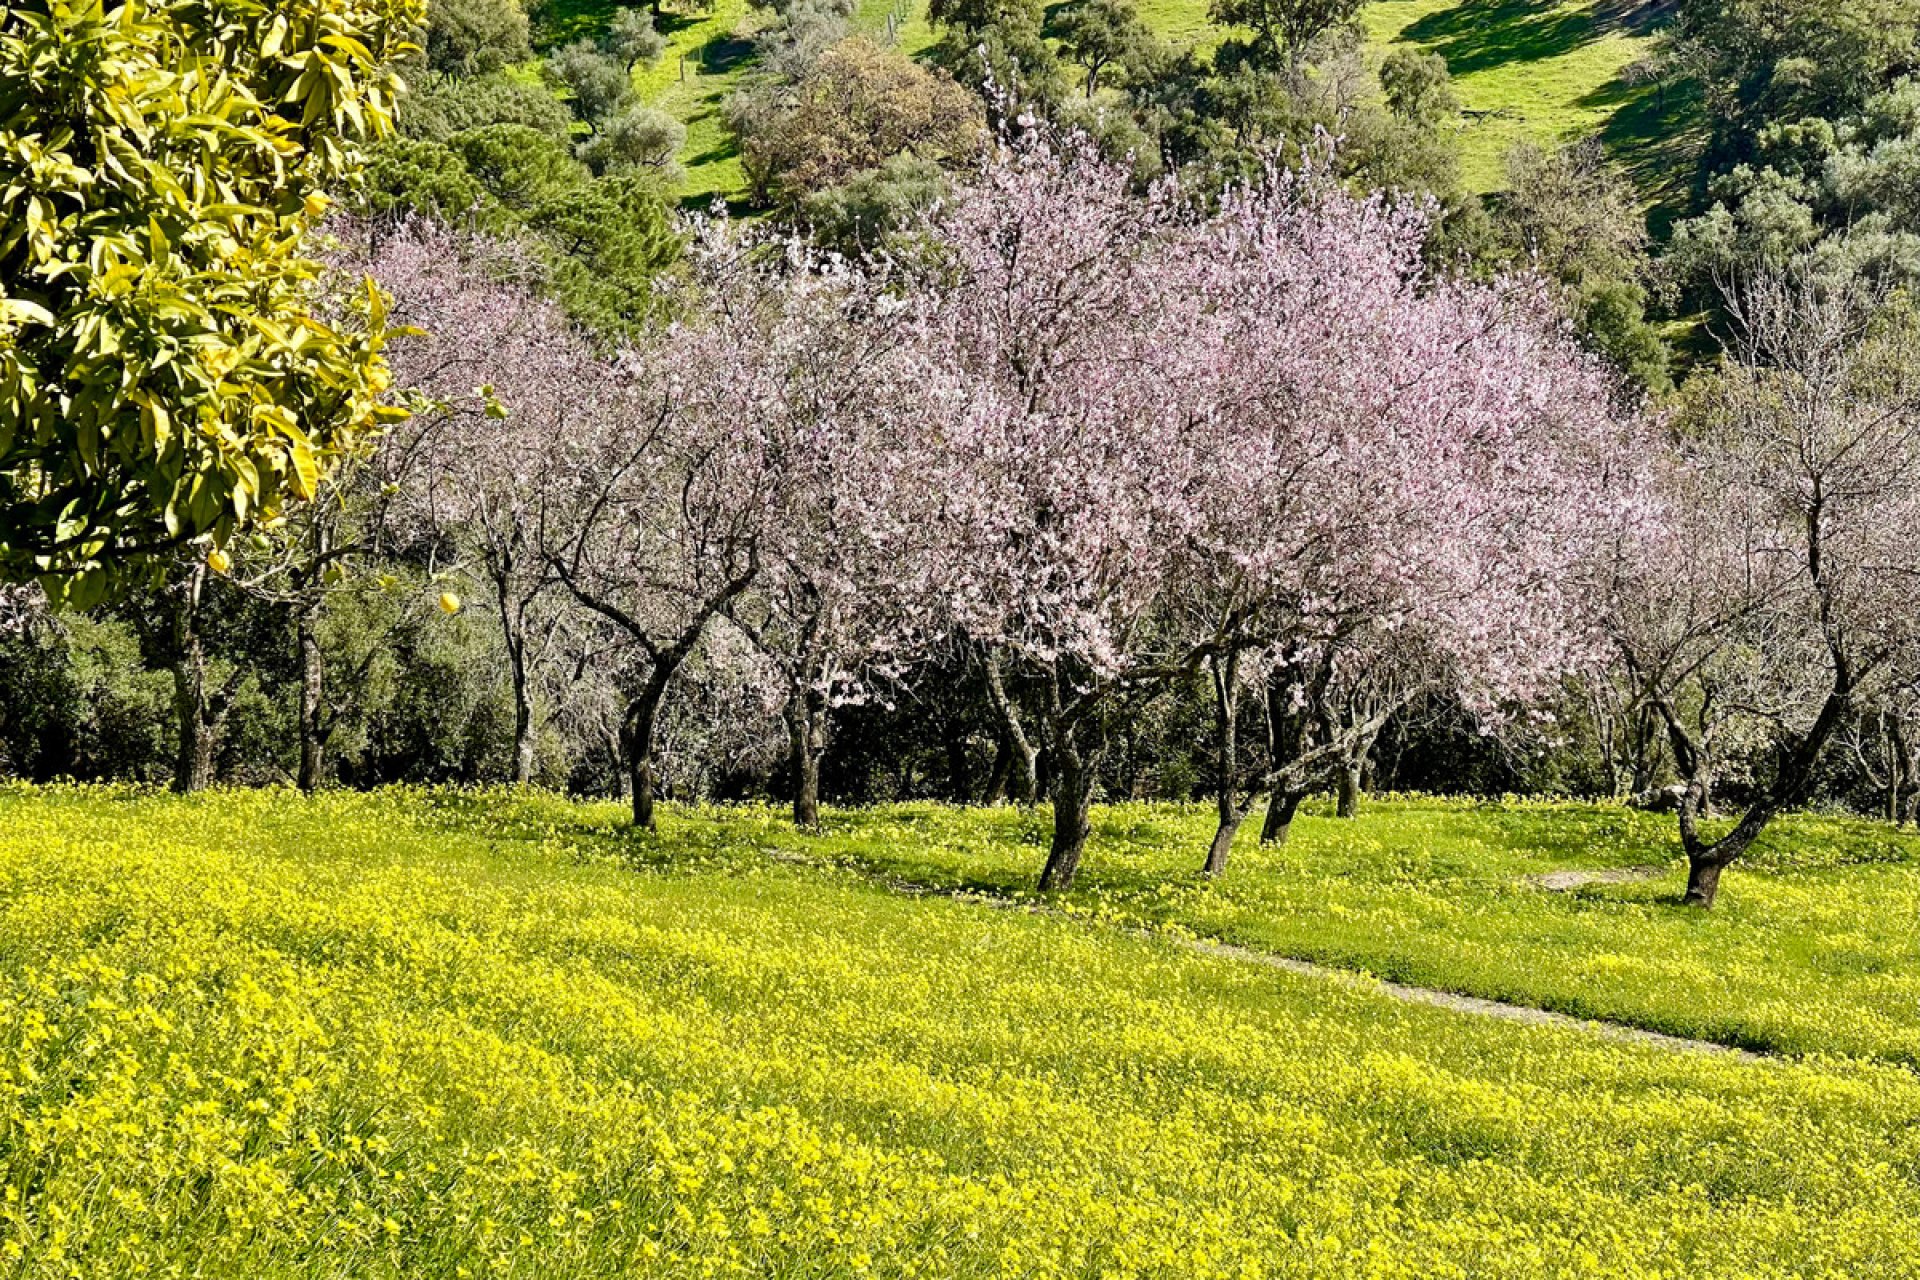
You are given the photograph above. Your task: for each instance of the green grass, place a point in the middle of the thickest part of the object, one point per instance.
(1546, 70)
(250, 1034)
(1813, 947)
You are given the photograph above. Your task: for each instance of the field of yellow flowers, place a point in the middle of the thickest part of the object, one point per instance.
(1814, 946)
(418, 1034)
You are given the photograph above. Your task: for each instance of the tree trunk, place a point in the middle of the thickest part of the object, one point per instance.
(1226, 787)
(1900, 770)
(1072, 810)
(1348, 789)
(1222, 846)
(313, 674)
(1644, 746)
(1025, 783)
(193, 762)
(804, 715)
(637, 736)
(1281, 807)
(1286, 746)
(523, 742)
(1792, 780)
(640, 788)
(959, 766)
(1703, 881)
(512, 609)
(1000, 774)
(194, 713)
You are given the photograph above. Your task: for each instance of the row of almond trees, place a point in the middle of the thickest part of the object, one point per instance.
(1106, 440)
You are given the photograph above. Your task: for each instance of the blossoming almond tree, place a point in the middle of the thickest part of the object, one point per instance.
(681, 500)
(1773, 590)
(507, 382)
(828, 612)
(1060, 470)
(1399, 478)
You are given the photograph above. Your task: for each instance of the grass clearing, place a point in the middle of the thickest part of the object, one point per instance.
(709, 50)
(416, 1034)
(1546, 70)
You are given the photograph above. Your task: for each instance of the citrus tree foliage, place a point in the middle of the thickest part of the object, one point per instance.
(164, 373)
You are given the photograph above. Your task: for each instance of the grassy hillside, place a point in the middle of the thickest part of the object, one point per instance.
(1544, 70)
(255, 1035)
(1548, 70)
(708, 50)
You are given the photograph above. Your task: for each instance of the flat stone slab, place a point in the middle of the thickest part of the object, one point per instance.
(1562, 881)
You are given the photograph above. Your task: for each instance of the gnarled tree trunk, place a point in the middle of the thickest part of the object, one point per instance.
(1347, 789)
(1024, 757)
(637, 746)
(1229, 808)
(1281, 806)
(1287, 729)
(1792, 782)
(806, 739)
(1072, 791)
(1000, 772)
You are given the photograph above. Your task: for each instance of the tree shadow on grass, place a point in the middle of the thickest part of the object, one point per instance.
(562, 21)
(1656, 134)
(723, 54)
(1482, 34)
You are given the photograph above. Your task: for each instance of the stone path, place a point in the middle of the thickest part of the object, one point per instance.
(1527, 1014)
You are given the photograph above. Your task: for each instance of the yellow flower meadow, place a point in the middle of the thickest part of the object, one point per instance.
(433, 1034)
(1812, 947)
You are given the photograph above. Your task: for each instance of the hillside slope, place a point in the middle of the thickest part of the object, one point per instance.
(1547, 70)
